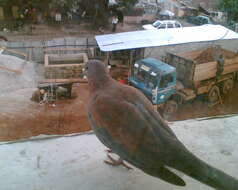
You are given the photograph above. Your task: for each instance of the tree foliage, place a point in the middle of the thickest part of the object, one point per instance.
(97, 11)
(231, 7)
(100, 10)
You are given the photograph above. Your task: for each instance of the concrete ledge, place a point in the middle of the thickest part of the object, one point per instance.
(76, 162)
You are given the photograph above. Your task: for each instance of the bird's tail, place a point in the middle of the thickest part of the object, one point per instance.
(192, 166)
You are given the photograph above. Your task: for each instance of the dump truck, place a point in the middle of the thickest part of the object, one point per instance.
(183, 77)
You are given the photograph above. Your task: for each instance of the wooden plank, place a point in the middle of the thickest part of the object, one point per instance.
(71, 80)
(78, 60)
(204, 76)
(197, 71)
(205, 73)
(212, 64)
(11, 70)
(46, 60)
(231, 61)
(67, 57)
(15, 52)
(208, 70)
(65, 65)
(64, 49)
(230, 69)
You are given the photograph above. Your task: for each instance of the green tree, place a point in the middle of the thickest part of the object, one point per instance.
(99, 10)
(231, 7)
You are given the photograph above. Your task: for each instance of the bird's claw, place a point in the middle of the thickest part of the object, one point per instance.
(114, 162)
(109, 151)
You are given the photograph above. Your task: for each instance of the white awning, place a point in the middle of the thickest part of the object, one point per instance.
(163, 37)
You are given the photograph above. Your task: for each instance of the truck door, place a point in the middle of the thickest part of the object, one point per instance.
(166, 87)
(166, 81)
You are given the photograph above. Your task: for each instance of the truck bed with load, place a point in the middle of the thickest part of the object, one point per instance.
(208, 71)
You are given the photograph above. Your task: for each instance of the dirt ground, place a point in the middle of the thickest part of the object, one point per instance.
(22, 118)
(199, 107)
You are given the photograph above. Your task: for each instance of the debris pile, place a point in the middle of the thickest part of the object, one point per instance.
(209, 54)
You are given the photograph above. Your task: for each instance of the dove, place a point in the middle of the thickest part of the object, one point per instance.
(124, 120)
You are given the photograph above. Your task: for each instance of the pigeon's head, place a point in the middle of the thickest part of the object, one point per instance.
(95, 70)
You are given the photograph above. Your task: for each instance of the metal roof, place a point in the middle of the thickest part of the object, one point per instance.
(163, 37)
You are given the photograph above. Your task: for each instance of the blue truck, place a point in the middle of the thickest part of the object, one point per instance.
(157, 80)
(182, 77)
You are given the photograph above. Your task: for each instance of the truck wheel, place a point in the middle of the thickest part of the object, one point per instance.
(170, 108)
(227, 86)
(214, 95)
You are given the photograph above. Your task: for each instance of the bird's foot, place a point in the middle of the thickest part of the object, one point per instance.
(115, 162)
(109, 151)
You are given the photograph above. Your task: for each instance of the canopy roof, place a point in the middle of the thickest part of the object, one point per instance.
(163, 37)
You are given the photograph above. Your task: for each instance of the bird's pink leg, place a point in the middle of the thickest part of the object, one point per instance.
(109, 150)
(114, 162)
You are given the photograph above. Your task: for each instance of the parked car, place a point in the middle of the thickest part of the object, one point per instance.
(165, 15)
(199, 20)
(163, 24)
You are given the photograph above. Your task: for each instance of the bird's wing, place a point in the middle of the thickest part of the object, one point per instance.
(131, 127)
(144, 105)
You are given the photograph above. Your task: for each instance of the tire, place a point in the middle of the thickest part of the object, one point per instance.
(227, 86)
(170, 109)
(213, 95)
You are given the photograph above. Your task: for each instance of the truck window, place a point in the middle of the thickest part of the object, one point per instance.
(151, 82)
(165, 80)
(142, 75)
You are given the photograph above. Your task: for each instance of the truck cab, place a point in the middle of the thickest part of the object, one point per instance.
(156, 79)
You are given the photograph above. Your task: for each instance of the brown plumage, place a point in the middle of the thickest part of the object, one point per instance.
(125, 121)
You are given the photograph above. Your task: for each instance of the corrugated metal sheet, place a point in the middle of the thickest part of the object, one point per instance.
(172, 36)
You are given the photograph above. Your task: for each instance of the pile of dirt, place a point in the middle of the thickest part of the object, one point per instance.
(16, 73)
(209, 55)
